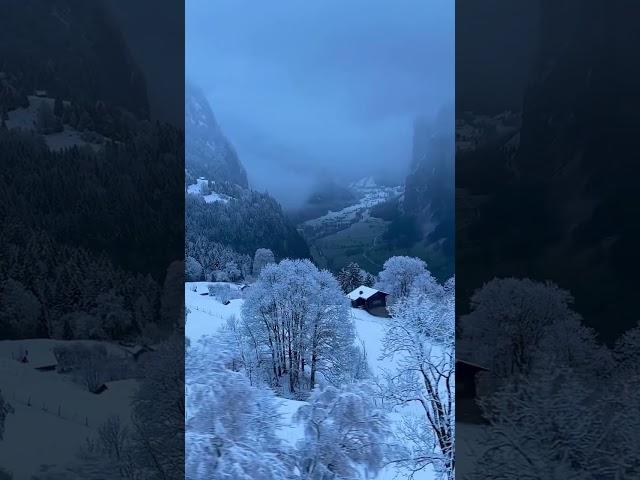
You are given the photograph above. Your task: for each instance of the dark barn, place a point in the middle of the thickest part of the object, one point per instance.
(369, 299)
(467, 409)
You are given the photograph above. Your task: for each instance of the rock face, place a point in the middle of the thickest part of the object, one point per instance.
(75, 51)
(429, 189)
(565, 200)
(208, 153)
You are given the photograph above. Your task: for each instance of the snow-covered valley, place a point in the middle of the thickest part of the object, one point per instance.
(367, 193)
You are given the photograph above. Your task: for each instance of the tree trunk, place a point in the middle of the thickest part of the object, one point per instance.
(312, 377)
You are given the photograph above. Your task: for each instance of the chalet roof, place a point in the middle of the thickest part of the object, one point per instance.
(363, 292)
(474, 365)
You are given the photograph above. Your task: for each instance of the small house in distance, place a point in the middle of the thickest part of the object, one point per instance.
(369, 299)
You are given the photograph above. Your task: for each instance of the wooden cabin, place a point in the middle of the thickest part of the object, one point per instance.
(369, 299)
(467, 408)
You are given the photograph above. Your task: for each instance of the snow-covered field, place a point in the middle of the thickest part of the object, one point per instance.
(207, 315)
(49, 406)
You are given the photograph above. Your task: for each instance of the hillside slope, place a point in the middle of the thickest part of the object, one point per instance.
(208, 153)
(207, 316)
(220, 206)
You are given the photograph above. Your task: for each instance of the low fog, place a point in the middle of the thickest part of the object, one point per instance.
(327, 90)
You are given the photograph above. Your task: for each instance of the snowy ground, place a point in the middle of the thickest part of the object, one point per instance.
(207, 315)
(198, 187)
(49, 406)
(25, 119)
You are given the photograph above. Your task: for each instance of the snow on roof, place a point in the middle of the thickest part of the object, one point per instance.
(363, 292)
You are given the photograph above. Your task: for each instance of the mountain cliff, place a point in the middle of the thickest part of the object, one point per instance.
(429, 188)
(220, 206)
(71, 49)
(208, 153)
(563, 206)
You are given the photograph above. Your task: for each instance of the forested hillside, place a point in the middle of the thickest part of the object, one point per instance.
(243, 220)
(247, 222)
(90, 202)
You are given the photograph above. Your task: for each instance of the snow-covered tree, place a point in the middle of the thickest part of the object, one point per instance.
(244, 354)
(232, 271)
(421, 340)
(193, 270)
(509, 321)
(262, 257)
(345, 433)
(5, 409)
(398, 275)
(83, 326)
(553, 424)
(426, 284)
(222, 292)
(20, 312)
(231, 425)
(560, 404)
(352, 276)
(300, 317)
(172, 299)
(158, 412)
(115, 320)
(627, 352)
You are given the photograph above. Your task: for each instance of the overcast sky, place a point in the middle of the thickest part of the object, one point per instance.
(308, 90)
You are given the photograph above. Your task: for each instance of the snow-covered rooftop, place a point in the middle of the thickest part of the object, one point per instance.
(362, 292)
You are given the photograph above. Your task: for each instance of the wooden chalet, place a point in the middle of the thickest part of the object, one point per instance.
(369, 299)
(467, 408)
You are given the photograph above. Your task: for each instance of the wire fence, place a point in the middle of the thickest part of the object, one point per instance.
(53, 408)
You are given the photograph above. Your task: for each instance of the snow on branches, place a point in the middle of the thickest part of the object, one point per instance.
(300, 317)
(344, 432)
(421, 340)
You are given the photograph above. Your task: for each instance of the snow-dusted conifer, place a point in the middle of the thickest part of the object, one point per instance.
(352, 276)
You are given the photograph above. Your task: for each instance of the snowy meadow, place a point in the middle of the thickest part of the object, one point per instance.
(286, 379)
